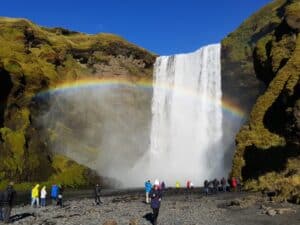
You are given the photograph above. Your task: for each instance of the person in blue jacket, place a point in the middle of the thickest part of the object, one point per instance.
(155, 196)
(148, 187)
(54, 193)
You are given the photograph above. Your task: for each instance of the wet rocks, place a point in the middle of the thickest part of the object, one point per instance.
(270, 211)
(134, 221)
(243, 202)
(110, 222)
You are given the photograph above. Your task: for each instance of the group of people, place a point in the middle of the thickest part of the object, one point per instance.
(38, 195)
(189, 184)
(214, 186)
(154, 192)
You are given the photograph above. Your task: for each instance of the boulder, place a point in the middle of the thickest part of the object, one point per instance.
(133, 221)
(110, 222)
(271, 212)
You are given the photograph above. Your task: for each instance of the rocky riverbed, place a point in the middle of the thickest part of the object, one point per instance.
(182, 208)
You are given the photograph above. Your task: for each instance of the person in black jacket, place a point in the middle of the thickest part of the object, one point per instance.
(206, 190)
(223, 183)
(97, 194)
(60, 196)
(216, 185)
(1, 204)
(155, 196)
(8, 201)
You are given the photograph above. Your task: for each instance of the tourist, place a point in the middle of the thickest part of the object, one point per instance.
(156, 182)
(191, 185)
(233, 183)
(223, 184)
(54, 194)
(1, 204)
(163, 185)
(229, 184)
(216, 185)
(188, 184)
(35, 196)
(177, 185)
(43, 196)
(97, 194)
(148, 187)
(211, 186)
(8, 201)
(206, 186)
(155, 196)
(60, 196)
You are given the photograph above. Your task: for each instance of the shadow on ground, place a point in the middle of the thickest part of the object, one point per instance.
(18, 217)
(149, 217)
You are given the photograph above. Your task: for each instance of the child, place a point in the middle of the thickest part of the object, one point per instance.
(43, 196)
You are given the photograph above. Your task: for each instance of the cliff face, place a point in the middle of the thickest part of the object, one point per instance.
(239, 81)
(33, 59)
(267, 155)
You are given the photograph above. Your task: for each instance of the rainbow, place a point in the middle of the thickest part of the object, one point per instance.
(228, 106)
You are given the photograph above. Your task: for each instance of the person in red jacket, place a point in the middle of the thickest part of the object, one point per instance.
(233, 183)
(188, 184)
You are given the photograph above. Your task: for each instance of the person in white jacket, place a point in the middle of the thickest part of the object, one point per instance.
(43, 196)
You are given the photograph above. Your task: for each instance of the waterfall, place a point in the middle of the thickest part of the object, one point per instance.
(186, 130)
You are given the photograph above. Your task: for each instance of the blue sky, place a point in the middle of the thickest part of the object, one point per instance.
(161, 26)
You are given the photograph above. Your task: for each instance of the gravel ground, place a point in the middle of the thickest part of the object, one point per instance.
(176, 209)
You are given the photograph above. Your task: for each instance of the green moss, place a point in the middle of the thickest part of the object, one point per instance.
(68, 173)
(264, 138)
(293, 9)
(14, 143)
(261, 49)
(286, 183)
(13, 67)
(101, 58)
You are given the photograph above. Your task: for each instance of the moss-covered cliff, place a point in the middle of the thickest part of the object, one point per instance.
(33, 59)
(267, 155)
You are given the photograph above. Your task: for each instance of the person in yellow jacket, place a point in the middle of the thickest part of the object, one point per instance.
(35, 196)
(177, 185)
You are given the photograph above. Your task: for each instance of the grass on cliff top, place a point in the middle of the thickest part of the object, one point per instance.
(74, 40)
(49, 47)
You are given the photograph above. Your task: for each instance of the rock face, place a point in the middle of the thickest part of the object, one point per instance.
(33, 59)
(267, 155)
